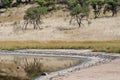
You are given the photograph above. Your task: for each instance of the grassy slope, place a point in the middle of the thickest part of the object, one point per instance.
(103, 46)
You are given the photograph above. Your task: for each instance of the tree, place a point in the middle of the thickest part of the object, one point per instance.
(97, 6)
(112, 5)
(49, 4)
(79, 13)
(33, 16)
(83, 3)
(71, 3)
(79, 10)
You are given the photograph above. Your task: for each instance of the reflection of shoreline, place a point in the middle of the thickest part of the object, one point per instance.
(62, 62)
(96, 59)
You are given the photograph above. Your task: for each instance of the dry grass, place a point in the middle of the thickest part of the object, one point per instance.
(103, 46)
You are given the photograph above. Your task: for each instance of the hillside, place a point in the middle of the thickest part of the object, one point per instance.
(56, 27)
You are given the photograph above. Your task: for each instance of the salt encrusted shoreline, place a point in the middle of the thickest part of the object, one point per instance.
(94, 59)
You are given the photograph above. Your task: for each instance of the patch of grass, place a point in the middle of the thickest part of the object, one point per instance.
(102, 46)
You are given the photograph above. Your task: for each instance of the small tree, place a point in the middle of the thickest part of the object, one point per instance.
(33, 16)
(97, 6)
(50, 4)
(83, 3)
(71, 3)
(79, 10)
(112, 5)
(79, 13)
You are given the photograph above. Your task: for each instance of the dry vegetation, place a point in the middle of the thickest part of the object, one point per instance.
(27, 67)
(103, 46)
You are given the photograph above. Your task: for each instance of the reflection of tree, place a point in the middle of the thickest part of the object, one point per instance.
(32, 68)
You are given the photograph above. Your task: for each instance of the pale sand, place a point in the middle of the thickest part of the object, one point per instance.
(110, 71)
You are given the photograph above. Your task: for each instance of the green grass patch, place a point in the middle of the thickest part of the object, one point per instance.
(101, 46)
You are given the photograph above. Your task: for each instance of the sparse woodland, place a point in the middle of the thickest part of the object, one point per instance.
(79, 9)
